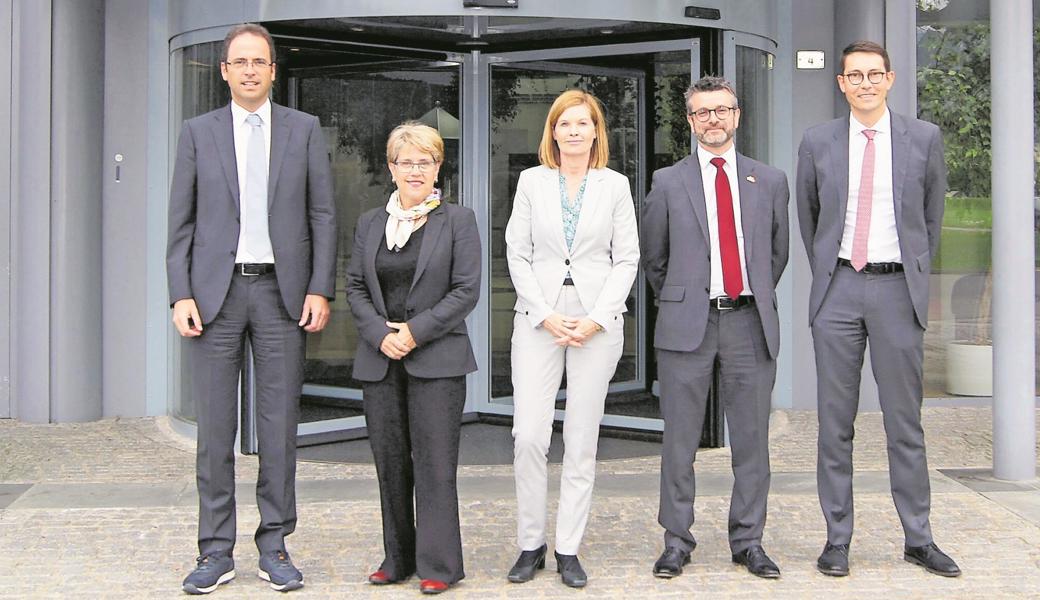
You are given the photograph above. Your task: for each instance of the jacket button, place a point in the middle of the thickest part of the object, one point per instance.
(567, 261)
(526, 313)
(706, 290)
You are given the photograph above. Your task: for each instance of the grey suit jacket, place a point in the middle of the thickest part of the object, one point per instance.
(919, 190)
(676, 248)
(204, 211)
(445, 288)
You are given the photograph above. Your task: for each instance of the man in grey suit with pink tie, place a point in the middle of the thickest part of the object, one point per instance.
(251, 253)
(714, 244)
(870, 195)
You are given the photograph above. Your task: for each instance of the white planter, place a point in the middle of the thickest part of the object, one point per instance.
(969, 369)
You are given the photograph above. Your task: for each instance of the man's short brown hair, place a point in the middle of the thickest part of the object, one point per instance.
(868, 47)
(244, 28)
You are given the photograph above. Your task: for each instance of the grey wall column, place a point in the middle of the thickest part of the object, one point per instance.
(30, 211)
(1014, 404)
(901, 42)
(77, 83)
(855, 20)
(7, 86)
(124, 166)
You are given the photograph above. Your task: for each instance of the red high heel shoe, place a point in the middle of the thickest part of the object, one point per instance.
(432, 586)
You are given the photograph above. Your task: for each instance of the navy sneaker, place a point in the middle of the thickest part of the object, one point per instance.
(277, 569)
(210, 571)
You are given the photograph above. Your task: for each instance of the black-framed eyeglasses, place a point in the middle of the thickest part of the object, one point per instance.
(422, 165)
(241, 63)
(721, 113)
(856, 78)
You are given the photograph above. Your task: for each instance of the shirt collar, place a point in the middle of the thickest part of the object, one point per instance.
(705, 157)
(883, 126)
(239, 114)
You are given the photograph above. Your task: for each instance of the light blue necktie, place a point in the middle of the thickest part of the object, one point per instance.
(254, 197)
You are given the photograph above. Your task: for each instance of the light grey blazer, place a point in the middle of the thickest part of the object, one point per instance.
(677, 249)
(919, 190)
(604, 258)
(204, 211)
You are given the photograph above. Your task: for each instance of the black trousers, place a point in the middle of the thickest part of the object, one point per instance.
(413, 426)
(253, 308)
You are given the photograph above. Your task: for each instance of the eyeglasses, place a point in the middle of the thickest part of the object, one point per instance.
(856, 78)
(241, 63)
(422, 165)
(704, 114)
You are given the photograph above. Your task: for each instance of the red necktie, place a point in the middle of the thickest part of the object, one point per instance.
(863, 204)
(731, 280)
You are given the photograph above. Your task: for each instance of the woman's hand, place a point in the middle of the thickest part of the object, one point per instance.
(394, 346)
(561, 327)
(403, 334)
(583, 329)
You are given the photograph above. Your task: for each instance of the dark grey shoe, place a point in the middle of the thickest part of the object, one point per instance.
(757, 562)
(671, 562)
(834, 560)
(210, 571)
(932, 559)
(570, 570)
(277, 569)
(526, 565)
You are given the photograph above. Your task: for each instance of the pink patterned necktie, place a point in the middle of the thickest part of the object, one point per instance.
(866, 196)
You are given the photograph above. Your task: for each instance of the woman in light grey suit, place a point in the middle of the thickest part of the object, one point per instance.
(573, 251)
(412, 279)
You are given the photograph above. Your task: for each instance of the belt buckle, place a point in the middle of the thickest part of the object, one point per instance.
(242, 269)
(718, 303)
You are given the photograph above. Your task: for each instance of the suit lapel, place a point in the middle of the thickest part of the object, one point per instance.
(281, 134)
(375, 233)
(224, 137)
(748, 203)
(551, 197)
(434, 225)
(589, 205)
(900, 157)
(839, 155)
(691, 178)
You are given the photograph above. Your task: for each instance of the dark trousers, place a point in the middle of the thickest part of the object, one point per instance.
(735, 339)
(859, 306)
(414, 427)
(253, 308)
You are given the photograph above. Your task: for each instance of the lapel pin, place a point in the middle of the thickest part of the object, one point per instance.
(751, 178)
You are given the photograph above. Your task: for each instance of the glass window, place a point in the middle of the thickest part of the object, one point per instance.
(953, 91)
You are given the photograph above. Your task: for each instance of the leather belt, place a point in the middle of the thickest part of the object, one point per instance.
(874, 268)
(568, 281)
(254, 269)
(727, 303)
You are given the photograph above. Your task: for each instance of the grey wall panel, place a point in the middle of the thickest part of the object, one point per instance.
(812, 96)
(901, 43)
(124, 255)
(75, 290)
(30, 211)
(749, 16)
(6, 86)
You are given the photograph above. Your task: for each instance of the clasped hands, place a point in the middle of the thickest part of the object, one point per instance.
(570, 331)
(399, 343)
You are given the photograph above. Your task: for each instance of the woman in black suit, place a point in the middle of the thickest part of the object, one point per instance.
(413, 277)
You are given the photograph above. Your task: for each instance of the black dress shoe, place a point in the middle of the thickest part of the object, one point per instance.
(757, 562)
(524, 568)
(932, 559)
(834, 560)
(671, 563)
(570, 570)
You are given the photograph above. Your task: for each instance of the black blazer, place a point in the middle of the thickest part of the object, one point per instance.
(444, 290)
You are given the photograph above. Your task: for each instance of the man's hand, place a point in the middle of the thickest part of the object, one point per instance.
(404, 335)
(315, 309)
(393, 347)
(186, 318)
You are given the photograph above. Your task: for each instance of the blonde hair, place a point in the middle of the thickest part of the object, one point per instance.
(549, 151)
(416, 134)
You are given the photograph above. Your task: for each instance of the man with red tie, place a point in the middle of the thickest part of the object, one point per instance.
(870, 191)
(714, 243)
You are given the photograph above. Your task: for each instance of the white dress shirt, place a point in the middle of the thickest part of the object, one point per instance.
(242, 131)
(883, 239)
(708, 172)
